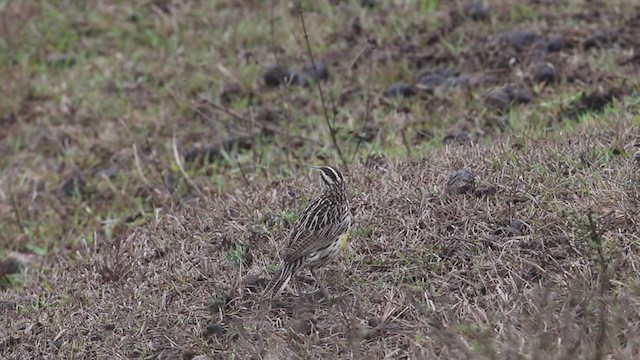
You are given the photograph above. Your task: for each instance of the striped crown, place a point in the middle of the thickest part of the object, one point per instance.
(330, 177)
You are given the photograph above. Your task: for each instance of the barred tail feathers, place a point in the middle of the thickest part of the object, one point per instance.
(282, 277)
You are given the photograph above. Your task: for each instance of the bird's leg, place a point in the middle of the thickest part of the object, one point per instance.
(323, 289)
(295, 285)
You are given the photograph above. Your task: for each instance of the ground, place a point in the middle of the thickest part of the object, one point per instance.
(155, 154)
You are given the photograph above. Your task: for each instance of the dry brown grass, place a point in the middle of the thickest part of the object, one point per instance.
(139, 248)
(429, 275)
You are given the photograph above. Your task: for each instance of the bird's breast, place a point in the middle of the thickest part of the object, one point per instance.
(344, 240)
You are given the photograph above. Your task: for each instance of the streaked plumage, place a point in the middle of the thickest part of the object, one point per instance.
(319, 234)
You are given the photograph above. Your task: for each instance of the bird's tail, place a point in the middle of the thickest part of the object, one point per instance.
(282, 277)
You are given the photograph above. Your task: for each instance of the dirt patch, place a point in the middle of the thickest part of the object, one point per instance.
(595, 101)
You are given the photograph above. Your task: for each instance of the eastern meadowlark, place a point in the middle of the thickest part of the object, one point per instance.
(319, 234)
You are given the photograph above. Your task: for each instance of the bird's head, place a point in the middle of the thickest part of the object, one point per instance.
(331, 178)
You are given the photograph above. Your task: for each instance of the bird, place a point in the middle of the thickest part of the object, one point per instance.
(318, 235)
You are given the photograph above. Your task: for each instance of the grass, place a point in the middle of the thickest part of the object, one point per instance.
(138, 250)
(446, 287)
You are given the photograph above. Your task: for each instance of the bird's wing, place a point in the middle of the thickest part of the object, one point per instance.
(312, 229)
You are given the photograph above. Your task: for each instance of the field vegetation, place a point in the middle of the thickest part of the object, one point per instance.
(156, 153)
